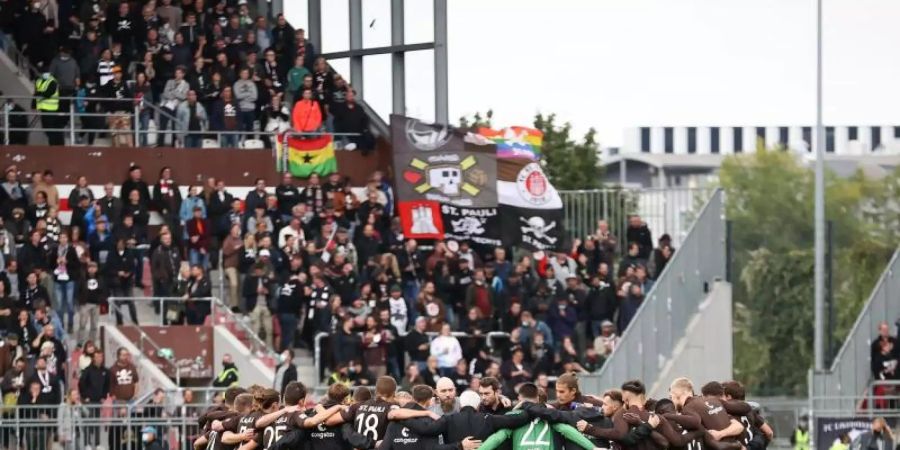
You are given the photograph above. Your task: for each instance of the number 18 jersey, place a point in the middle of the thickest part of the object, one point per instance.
(370, 418)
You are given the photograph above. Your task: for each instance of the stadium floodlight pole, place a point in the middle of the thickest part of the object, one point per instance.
(819, 218)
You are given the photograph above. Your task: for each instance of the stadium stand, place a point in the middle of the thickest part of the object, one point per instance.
(322, 266)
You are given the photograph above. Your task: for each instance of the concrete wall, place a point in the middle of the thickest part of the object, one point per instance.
(705, 353)
(250, 369)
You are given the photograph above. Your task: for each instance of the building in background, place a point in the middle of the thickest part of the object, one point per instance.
(690, 156)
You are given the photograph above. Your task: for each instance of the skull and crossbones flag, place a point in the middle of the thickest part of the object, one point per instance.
(531, 210)
(450, 184)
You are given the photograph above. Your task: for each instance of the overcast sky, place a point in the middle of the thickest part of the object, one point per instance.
(613, 64)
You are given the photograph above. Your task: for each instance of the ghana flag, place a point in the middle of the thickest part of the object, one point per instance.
(307, 156)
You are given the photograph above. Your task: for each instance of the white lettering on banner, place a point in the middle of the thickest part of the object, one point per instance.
(447, 157)
(451, 210)
(442, 198)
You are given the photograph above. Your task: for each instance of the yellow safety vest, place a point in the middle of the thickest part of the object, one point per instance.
(801, 440)
(47, 104)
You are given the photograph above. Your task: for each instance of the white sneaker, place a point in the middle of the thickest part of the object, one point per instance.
(350, 146)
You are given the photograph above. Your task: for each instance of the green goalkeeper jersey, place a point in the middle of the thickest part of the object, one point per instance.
(536, 435)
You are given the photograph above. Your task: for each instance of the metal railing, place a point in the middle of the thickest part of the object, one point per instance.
(144, 340)
(23, 64)
(670, 210)
(136, 131)
(880, 399)
(161, 303)
(848, 378)
(675, 297)
(489, 339)
(257, 345)
(115, 426)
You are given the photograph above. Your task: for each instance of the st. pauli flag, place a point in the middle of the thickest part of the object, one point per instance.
(531, 209)
(515, 142)
(306, 156)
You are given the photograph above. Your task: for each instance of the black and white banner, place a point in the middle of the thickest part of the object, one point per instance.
(830, 429)
(533, 229)
(477, 225)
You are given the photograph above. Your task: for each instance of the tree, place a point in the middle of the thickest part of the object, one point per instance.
(569, 164)
(770, 203)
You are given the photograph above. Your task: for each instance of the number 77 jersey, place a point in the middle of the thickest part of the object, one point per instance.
(536, 435)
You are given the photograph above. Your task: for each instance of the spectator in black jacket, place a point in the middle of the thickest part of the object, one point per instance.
(135, 182)
(122, 99)
(120, 275)
(94, 388)
(350, 118)
(467, 424)
(199, 288)
(601, 300)
(417, 343)
(638, 232)
(285, 371)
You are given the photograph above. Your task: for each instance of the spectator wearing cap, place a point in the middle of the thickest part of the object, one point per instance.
(7, 307)
(135, 182)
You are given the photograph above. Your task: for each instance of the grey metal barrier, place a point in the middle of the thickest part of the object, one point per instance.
(671, 210)
(23, 64)
(220, 314)
(489, 339)
(848, 379)
(137, 133)
(161, 304)
(223, 315)
(110, 426)
(675, 297)
(880, 399)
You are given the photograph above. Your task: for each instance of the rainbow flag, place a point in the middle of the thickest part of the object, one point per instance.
(307, 156)
(516, 142)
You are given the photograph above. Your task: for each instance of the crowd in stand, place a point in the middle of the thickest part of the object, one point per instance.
(300, 261)
(211, 65)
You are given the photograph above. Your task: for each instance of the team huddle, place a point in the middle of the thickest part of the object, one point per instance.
(261, 419)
